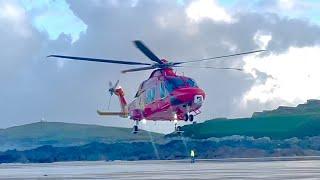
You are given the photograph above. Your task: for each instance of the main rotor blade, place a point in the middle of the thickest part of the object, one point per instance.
(99, 60)
(219, 57)
(138, 69)
(146, 51)
(210, 67)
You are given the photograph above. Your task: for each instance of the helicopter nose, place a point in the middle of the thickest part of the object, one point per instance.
(187, 95)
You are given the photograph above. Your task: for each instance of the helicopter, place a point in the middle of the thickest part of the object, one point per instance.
(165, 95)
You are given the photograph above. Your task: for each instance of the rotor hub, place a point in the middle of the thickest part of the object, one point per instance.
(164, 61)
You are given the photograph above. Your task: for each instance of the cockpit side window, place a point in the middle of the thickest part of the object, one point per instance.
(191, 83)
(174, 83)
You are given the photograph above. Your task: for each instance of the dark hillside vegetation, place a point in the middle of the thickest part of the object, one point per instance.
(282, 123)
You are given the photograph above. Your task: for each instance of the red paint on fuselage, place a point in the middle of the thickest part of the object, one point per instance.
(165, 94)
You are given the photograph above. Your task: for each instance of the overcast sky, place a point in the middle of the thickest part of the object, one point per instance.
(34, 87)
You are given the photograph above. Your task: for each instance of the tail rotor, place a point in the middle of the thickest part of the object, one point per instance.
(112, 89)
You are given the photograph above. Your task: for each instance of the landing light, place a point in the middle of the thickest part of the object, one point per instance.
(175, 116)
(144, 121)
(175, 121)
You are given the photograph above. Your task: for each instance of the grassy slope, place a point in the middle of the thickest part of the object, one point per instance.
(53, 133)
(276, 127)
(283, 122)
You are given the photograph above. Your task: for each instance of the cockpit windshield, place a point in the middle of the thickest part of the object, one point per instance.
(177, 82)
(191, 83)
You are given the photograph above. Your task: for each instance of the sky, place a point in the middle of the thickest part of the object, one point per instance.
(35, 88)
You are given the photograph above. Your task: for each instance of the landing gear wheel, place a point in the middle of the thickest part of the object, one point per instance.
(135, 129)
(186, 117)
(191, 117)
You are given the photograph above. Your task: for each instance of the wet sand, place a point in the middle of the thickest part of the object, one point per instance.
(270, 168)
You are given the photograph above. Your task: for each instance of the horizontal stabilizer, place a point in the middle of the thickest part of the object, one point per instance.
(112, 113)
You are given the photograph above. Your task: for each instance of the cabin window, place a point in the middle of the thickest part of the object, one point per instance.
(142, 99)
(151, 93)
(162, 91)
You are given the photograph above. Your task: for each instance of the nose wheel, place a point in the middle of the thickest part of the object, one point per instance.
(186, 117)
(189, 117)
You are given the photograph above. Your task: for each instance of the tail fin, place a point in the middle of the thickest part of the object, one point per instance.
(123, 103)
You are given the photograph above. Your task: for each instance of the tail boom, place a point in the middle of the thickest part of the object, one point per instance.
(123, 104)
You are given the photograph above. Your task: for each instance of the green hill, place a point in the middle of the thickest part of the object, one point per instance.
(282, 123)
(66, 134)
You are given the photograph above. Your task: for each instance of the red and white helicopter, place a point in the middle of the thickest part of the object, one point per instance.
(164, 96)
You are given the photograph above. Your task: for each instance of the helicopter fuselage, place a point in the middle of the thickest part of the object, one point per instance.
(166, 96)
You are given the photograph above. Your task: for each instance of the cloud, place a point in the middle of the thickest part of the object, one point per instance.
(171, 35)
(54, 18)
(15, 32)
(286, 4)
(307, 10)
(293, 76)
(201, 9)
(14, 16)
(262, 39)
(38, 88)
